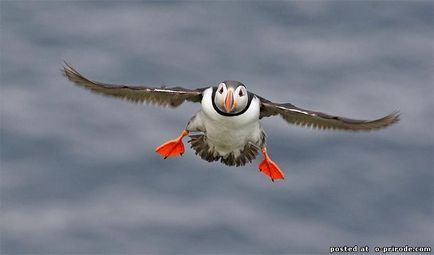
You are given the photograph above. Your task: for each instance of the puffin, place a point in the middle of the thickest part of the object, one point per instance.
(227, 127)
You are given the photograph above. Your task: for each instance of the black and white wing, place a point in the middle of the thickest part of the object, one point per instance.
(298, 116)
(139, 94)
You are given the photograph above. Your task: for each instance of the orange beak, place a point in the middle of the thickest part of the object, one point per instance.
(229, 101)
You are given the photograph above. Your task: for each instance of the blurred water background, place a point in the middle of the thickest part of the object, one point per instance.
(79, 173)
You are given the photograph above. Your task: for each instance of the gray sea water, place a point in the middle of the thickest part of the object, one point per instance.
(79, 173)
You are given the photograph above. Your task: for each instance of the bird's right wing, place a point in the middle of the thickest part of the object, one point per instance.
(139, 94)
(302, 117)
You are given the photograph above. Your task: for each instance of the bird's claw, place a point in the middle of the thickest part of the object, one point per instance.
(270, 168)
(173, 147)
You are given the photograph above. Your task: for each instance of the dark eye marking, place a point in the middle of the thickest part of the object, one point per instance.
(241, 93)
(221, 90)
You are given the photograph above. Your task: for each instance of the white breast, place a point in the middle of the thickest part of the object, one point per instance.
(226, 134)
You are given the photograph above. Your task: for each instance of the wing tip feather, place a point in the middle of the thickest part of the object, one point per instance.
(73, 75)
(380, 123)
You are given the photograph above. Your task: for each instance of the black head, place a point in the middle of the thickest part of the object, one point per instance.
(230, 98)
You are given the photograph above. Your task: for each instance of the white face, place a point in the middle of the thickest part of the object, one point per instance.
(230, 100)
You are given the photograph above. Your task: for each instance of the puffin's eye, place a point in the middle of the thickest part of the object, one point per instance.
(221, 90)
(241, 93)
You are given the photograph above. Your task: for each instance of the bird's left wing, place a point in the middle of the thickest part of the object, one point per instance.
(302, 117)
(139, 94)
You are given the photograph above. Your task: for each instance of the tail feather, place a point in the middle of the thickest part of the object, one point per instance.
(199, 144)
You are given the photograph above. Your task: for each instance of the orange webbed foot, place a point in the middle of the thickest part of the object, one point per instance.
(270, 168)
(173, 147)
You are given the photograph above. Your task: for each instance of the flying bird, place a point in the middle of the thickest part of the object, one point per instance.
(227, 128)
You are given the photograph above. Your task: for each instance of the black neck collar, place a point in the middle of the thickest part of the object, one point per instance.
(249, 100)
